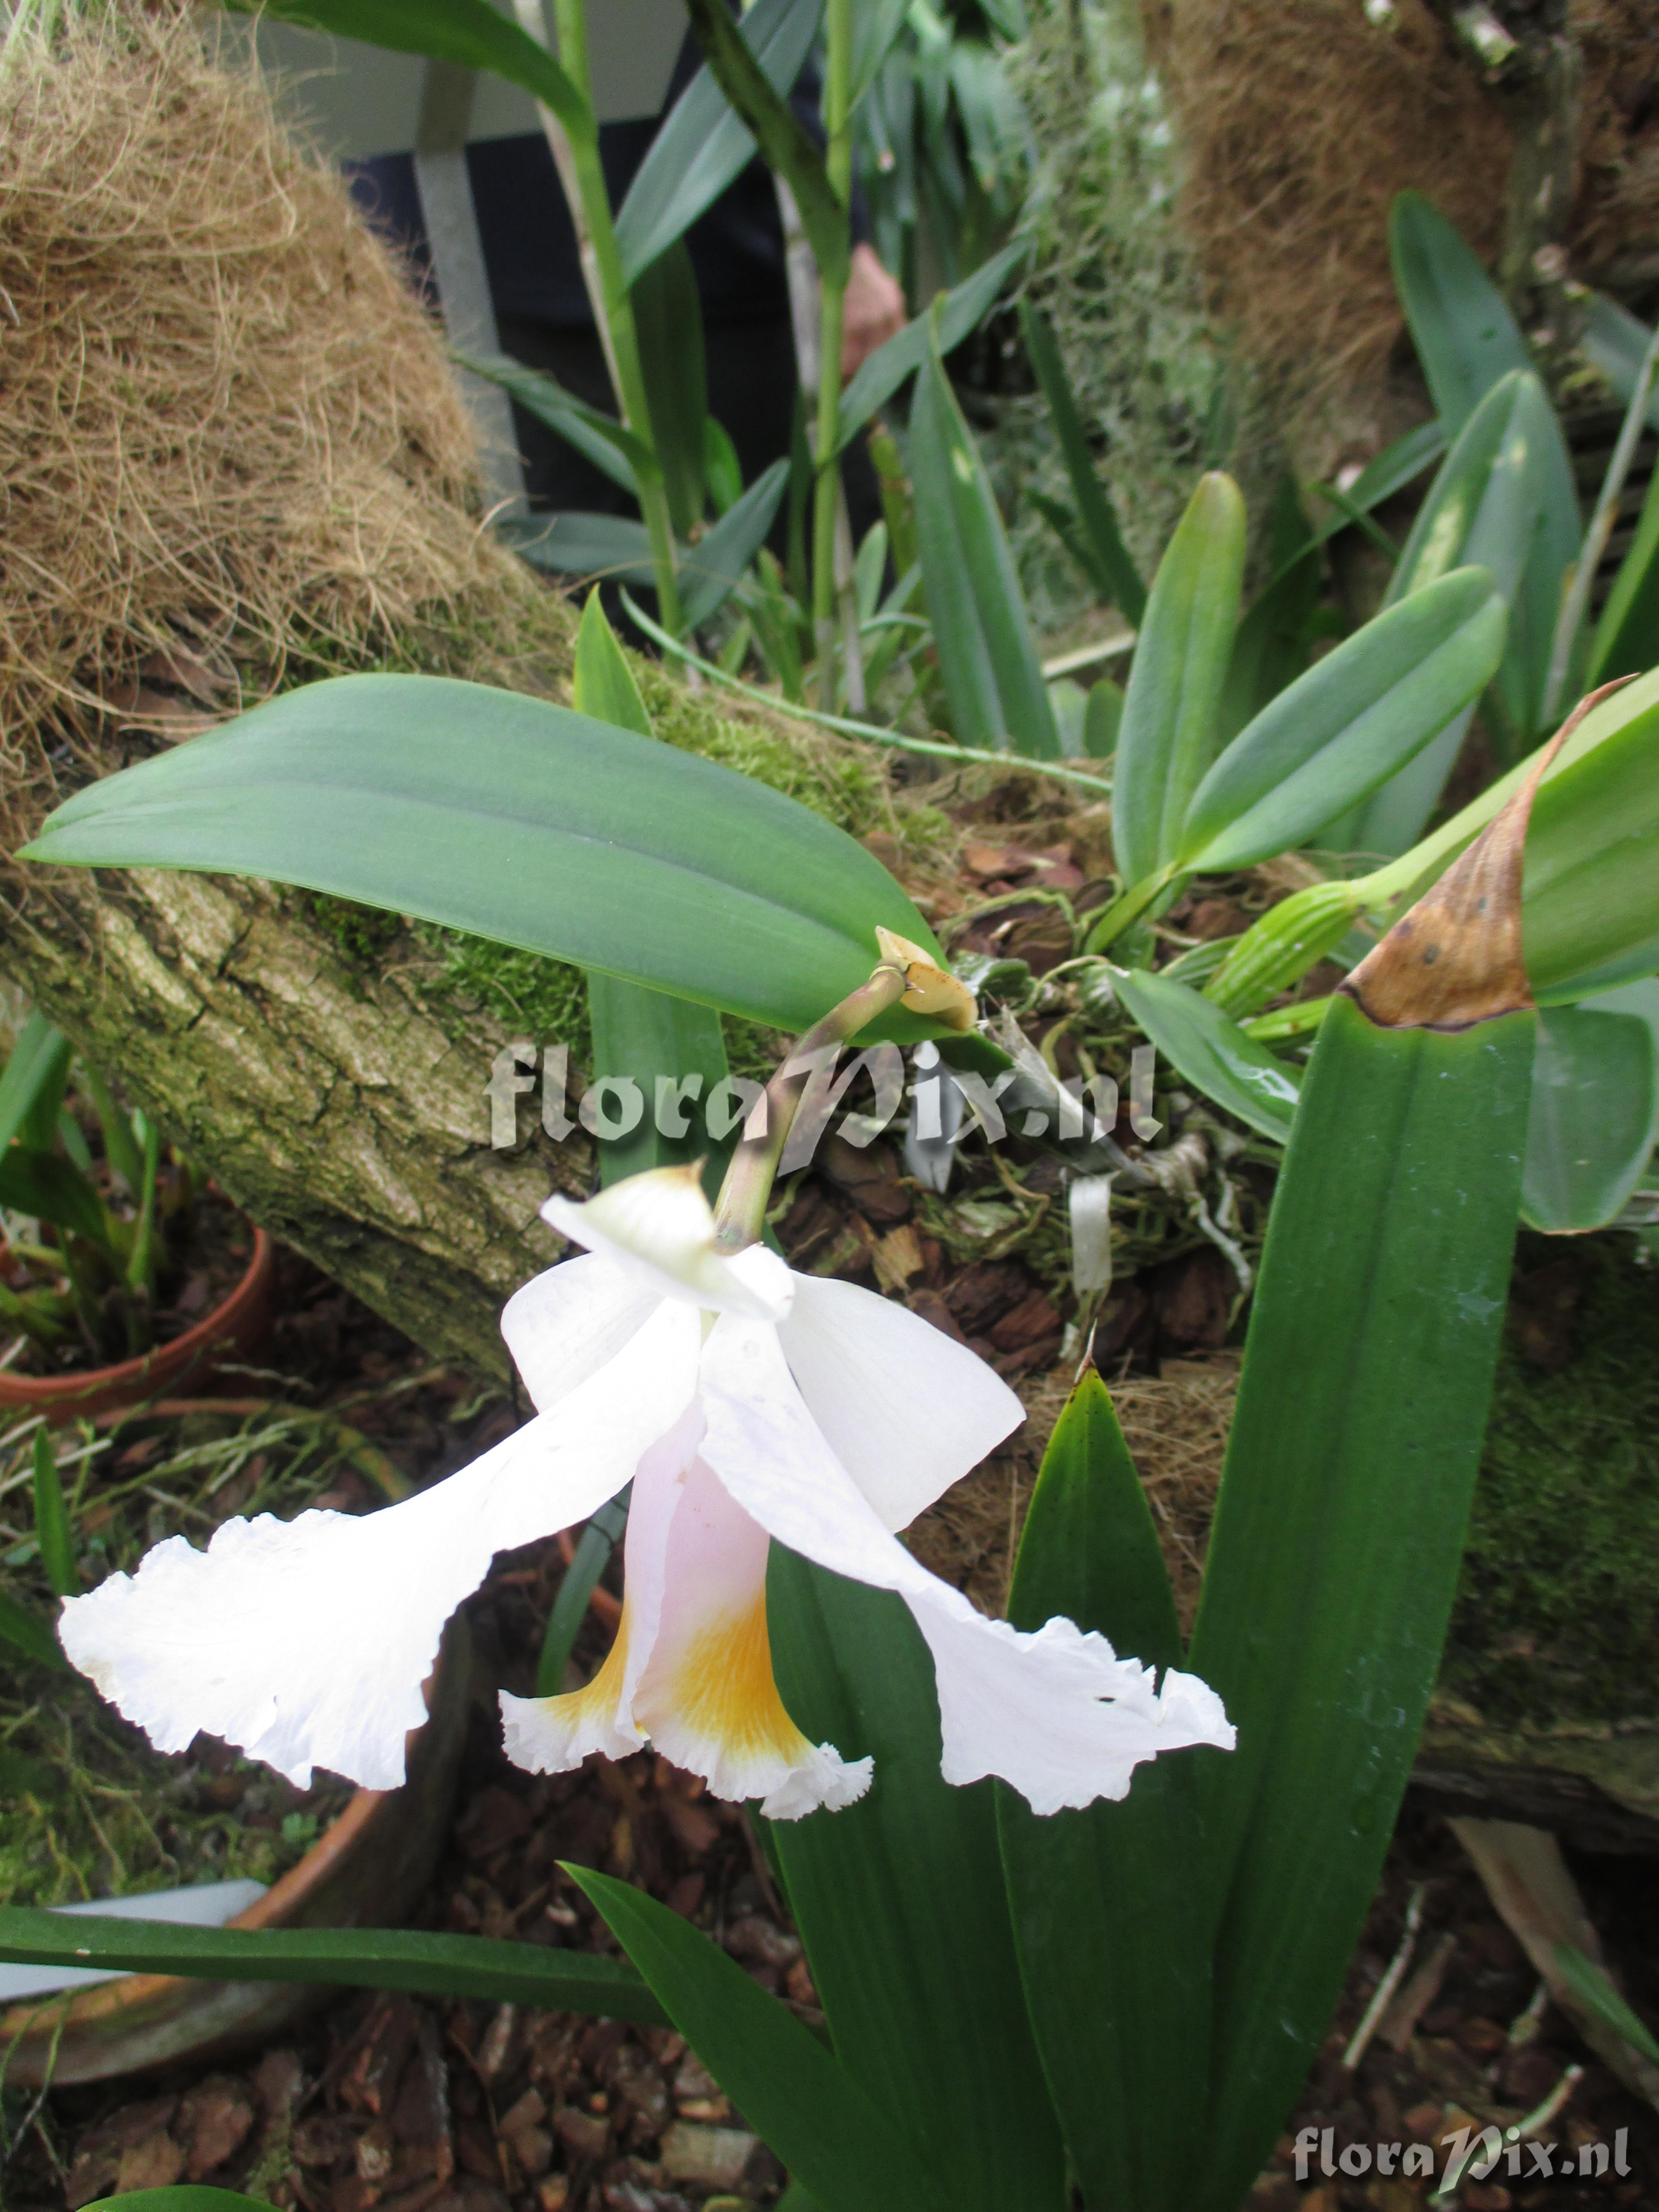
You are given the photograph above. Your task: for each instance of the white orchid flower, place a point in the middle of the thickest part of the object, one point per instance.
(745, 1403)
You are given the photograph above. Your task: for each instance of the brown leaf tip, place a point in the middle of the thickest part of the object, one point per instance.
(1457, 957)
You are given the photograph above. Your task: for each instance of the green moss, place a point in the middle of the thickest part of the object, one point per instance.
(363, 932)
(1558, 1614)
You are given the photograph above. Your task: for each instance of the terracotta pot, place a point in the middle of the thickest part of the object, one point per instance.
(230, 1332)
(366, 1872)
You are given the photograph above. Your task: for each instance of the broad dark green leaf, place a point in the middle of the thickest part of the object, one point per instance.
(613, 448)
(1627, 636)
(520, 821)
(1273, 644)
(27, 1633)
(987, 656)
(52, 1188)
(1210, 1050)
(604, 1532)
(1465, 336)
(780, 133)
(1595, 1111)
(954, 314)
(1115, 1958)
(33, 1087)
(844, 2144)
(703, 146)
(1168, 735)
(1334, 1553)
(901, 1903)
(609, 546)
(470, 32)
(1351, 720)
(711, 570)
(668, 317)
(1095, 515)
(347, 1958)
(51, 1527)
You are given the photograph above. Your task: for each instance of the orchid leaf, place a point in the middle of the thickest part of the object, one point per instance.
(1595, 1110)
(470, 32)
(1108, 556)
(1346, 725)
(347, 1958)
(704, 145)
(1169, 734)
(955, 315)
(52, 1188)
(1339, 1530)
(183, 2196)
(1465, 336)
(668, 315)
(780, 133)
(610, 446)
(28, 1633)
(711, 570)
(841, 2143)
(520, 821)
(609, 546)
(901, 1903)
(1627, 635)
(36, 1077)
(988, 656)
(1210, 1050)
(1115, 1960)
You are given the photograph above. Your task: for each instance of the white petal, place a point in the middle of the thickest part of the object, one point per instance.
(549, 1735)
(707, 1699)
(659, 1229)
(906, 1411)
(568, 1322)
(306, 1642)
(1056, 1713)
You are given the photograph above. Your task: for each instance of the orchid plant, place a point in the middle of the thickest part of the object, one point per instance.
(1042, 1950)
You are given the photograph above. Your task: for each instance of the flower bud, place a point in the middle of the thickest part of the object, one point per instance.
(928, 988)
(1279, 950)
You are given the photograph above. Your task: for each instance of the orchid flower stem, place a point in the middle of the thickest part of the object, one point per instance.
(837, 123)
(580, 172)
(740, 1213)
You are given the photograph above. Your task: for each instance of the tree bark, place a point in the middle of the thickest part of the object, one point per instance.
(341, 1107)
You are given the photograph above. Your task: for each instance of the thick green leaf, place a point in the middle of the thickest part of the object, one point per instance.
(346, 1958)
(36, 1077)
(1111, 562)
(578, 544)
(780, 133)
(185, 2196)
(603, 685)
(52, 1188)
(901, 1904)
(1210, 1050)
(1273, 644)
(1595, 1111)
(1169, 734)
(711, 570)
(668, 317)
(1394, 467)
(987, 656)
(1465, 336)
(843, 2142)
(27, 1633)
(704, 145)
(1351, 720)
(520, 821)
(1103, 718)
(1627, 635)
(1115, 1959)
(470, 32)
(954, 314)
(1334, 1553)
(610, 446)
(1484, 508)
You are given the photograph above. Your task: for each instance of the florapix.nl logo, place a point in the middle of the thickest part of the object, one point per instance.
(1461, 2153)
